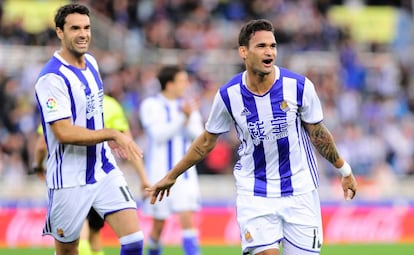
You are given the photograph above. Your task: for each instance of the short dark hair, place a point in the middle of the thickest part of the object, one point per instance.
(251, 27)
(65, 10)
(167, 74)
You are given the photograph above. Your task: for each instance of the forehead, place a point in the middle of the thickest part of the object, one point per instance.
(181, 75)
(76, 19)
(262, 37)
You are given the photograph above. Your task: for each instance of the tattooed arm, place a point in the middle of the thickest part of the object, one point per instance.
(199, 149)
(324, 143)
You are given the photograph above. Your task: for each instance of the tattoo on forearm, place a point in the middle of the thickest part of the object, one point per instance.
(199, 151)
(324, 143)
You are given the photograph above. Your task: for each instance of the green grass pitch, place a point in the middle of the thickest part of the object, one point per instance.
(343, 249)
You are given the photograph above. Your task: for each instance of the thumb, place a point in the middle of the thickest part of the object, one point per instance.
(348, 194)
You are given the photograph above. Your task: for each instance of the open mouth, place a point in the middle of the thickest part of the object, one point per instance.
(267, 61)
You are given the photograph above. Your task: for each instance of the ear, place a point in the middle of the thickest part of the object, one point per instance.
(59, 33)
(243, 52)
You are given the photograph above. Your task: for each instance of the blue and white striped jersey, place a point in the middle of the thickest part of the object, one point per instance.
(275, 154)
(168, 135)
(64, 91)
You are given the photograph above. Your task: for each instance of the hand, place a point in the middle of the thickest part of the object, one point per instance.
(188, 106)
(144, 186)
(125, 146)
(117, 150)
(349, 186)
(162, 186)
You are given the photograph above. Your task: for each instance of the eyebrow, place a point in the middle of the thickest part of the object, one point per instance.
(78, 26)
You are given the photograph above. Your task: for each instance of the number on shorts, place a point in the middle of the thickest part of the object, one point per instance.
(127, 193)
(316, 241)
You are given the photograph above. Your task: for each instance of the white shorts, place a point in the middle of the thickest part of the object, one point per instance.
(68, 207)
(264, 222)
(184, 196)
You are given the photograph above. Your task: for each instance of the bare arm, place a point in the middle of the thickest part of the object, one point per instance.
(324, 143)
(199, 149)
(40, 152)
(138, 164)
(66, 133)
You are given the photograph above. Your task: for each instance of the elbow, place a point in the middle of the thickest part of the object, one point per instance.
(209, 141)
(62, 138)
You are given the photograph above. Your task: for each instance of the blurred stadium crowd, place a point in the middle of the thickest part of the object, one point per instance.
(366, 87)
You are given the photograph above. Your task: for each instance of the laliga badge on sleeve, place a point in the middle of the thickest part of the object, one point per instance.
(51, 104)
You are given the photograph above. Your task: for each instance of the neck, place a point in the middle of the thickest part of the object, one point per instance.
(259, 83)
(168, 95)
(76, 61)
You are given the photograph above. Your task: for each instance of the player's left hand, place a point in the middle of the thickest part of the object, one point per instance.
(349, 186)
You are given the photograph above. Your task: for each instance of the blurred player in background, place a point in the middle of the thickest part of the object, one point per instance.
(114, 117)
(278, 117)
(81, 170)
(170, 123)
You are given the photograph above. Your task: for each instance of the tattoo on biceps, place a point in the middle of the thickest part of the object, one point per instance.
(324, 143)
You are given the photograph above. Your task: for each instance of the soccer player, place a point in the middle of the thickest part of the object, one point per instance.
(114, 117)
(81, 170)
(278, 117)
(170, 124)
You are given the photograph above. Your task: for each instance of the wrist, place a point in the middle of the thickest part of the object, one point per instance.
(345, 169)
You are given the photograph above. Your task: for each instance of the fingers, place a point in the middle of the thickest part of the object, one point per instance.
(157, 194)
(349, 193)
(153, 196)
(134, 151)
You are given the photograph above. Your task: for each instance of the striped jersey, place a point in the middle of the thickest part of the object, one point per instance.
(275, 153)
(64, 91)
(168, 136)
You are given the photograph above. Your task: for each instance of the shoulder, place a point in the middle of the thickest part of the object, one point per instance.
(51, 67)
(48, 80)
(111, 104)
(90, 58)
(235, 80)
(284, 72)
(150, 102)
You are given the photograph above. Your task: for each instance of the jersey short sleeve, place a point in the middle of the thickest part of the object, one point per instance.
(311, 110)
(219, 120)
(53, 96)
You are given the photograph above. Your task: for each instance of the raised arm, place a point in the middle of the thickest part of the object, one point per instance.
(324, 143)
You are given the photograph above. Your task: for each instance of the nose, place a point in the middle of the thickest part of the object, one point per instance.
(83, 32)
(269, 51)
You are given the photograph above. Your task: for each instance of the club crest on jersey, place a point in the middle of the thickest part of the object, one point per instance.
(248, 237)
(51, 104)
(284, 106)
(245, 112)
